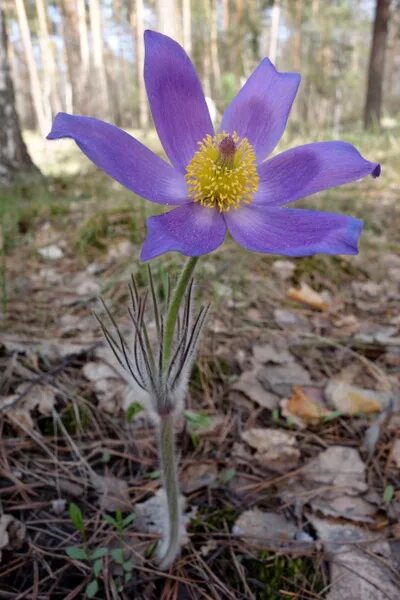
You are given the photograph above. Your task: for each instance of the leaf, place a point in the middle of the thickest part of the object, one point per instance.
(114, 492)
(110, 520)
(77, 553)
(198, 475)
(154, 474)
(388, 494)
(12, 533)
(276, 449)
(227, 475)
(97, 567)
(338, 467)
(92, 588)
(395, 454)
(303, 408)
(352, 400)
(361, 563)
(76, 517)
(133, 409)
(129, 519)
(250, 385)
(118, 555)
(196, 420)
(128, 565)
(99, 553)
(306, 295)
(264, 529)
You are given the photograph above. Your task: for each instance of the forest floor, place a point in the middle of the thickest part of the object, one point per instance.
(290, 445)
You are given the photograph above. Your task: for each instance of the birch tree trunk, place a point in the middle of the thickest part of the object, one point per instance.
(98, 57)
(14, 158)
(168, 19)
(215, 67)
(137, 23)
(43, 120)
(187, 25)
(373, 103)
(49, 64)
(273, 40)
(83, 38)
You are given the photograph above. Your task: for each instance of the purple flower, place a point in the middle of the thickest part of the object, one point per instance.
(222, 181)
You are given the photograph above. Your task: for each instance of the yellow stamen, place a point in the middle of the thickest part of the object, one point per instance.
(223, 172)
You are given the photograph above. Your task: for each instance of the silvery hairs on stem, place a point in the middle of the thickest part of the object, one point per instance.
(159, 386)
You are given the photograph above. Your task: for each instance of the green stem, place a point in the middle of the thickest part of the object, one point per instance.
(170, 476)
(169, 467)
(174, 307)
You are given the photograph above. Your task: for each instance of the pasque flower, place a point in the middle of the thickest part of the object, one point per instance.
(223, 181)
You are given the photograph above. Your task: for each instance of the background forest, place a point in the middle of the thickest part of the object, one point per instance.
(289, 447)
(87, 57)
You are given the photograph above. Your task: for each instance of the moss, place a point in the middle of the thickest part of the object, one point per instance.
(278, 577)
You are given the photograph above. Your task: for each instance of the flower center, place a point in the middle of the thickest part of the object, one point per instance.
(223, 172)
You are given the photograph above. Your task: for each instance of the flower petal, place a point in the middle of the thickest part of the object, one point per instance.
(309, 169)
(176, 99)
(293, 231)
(191, 229)
(123, 157)
(261, 108)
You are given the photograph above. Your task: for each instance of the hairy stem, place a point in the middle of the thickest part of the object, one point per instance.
(170, 476)
(174, 307)
(169, 468)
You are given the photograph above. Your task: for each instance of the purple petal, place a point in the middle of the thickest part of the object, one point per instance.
(176, 99)
(293, 231)
(191, 229)
(123, 157)
(261, 108)
(309, 169)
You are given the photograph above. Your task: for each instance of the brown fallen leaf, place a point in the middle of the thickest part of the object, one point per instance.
(276, 449)
(114, 492)
(361, 565)
(395, 454)
(290, 320)
(352, 508)
(340, 469)
(279, 379)
(198, 475)
(266, 529)
(250, 385)
(306, 295)
(12, 533)
(304, 408)
(269, 353)
(352, 400)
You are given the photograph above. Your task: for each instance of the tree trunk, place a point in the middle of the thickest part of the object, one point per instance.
(75, 87)
(168, 18)
(98, 57)
(296, 46)
(273, 39)
(187, 25)
(52, 97)
(14, 158)
(373, 104)
(137, 23)
(83, 38)
(42, 122)
(215, 68)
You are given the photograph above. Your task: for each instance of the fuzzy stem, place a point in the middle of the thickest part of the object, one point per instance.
(169, 467)
(170, 476)
(174, 307)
